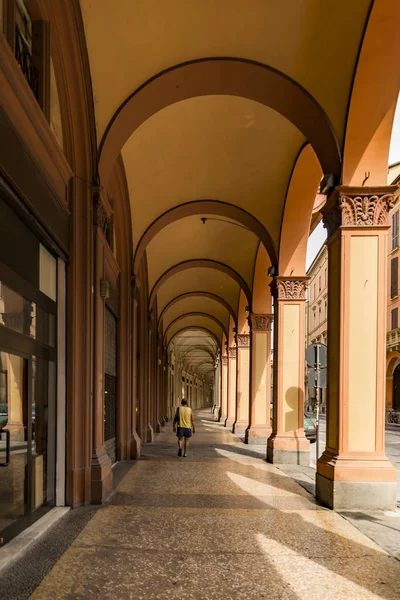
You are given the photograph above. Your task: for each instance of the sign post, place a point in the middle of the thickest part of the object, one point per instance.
(316, 355)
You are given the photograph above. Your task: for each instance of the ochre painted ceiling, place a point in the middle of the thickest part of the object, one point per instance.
(315, 42)
(224, 148)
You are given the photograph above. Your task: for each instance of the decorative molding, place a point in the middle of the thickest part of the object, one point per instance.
(224, 360)
(289, 288)
(243, 340)
(100, 215)
(232, 352)
(358, 207)
(260, 322)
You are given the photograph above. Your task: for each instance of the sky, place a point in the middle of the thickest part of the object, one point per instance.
(318, 236)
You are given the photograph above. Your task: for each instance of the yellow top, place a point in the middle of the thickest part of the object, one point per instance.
(185, 414)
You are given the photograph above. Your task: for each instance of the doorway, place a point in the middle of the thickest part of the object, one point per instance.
(396, 388)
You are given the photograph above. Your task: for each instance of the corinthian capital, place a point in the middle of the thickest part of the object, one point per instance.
(289, 288)
(358, 207)
(260, 322)
(243, 340)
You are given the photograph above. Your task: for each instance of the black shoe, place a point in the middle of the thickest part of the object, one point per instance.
(180, 452)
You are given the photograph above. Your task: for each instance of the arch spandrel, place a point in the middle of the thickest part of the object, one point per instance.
(374, 95)
(262, 299)
(300, 199)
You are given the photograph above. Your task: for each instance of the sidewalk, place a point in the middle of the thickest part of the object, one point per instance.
(222, 524)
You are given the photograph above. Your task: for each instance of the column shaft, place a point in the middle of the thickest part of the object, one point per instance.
(243, 384)
(224, 389)
(231, 412)
(259, 428)
(354, 472)
(288, 443)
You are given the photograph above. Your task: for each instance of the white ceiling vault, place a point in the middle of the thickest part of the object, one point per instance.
(229, 148)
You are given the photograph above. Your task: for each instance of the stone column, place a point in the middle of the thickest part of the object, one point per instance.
(353, 472)
(224, 389)
(243, 384)
(287, 443)
(231, 413)
(259, 428)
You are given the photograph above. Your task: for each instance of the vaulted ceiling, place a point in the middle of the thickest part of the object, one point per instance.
(229, 132)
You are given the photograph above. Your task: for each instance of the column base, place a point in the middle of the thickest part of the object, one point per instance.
(149, 434)
(239, 427)
(162, 421)
(222, 419)
(135, 446)
(158, 426)
(350, 495)
(257, 435)
(288, 450)
(229, 422)
(349, 483)
(101, 476)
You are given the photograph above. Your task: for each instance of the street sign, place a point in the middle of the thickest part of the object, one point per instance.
(312, 353)
(317, 378)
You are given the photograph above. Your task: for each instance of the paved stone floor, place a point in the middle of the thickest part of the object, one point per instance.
(220, 524)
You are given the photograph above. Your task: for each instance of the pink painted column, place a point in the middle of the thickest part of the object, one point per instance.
(260, 429)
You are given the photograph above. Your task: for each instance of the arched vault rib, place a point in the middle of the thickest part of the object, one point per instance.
(197, 328)
(198, 349)
(205, 207)
(196, 314)
(201, 263)
(200, 295)
(229, 77)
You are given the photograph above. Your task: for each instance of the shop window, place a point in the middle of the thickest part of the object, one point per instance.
(395, 230)
(394, 277)
(395, 318)
(21, 315)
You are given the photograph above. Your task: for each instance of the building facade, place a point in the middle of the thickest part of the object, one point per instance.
(317, 315)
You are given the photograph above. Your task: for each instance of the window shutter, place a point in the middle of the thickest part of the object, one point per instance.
(394, 271)
(395, 318)
(395, 230)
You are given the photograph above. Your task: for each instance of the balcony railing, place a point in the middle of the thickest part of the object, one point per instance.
(393, 339)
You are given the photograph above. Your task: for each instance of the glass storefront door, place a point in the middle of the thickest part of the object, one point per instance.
(27, 441)
(14, 440)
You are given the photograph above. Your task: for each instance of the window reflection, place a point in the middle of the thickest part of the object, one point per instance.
(26, 317)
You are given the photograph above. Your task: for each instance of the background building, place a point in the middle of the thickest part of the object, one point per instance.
(317, 313)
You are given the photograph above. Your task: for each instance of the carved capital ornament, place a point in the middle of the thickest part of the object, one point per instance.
(224, 360)
(260, 322)
(289, 288)
(243, 340)
(358, 207)
(232, 352)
